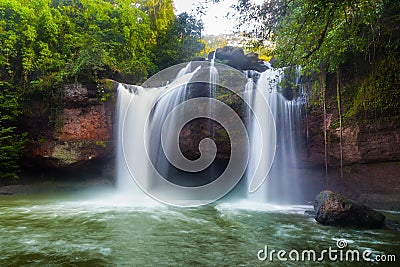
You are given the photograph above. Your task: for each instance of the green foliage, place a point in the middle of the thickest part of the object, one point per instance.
(11, 142)
(105, 89)
(45, 43)
(106, 38)
(180, 42)
(316, 33)
(378, 96)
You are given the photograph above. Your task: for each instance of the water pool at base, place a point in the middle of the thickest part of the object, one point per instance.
(106, 229)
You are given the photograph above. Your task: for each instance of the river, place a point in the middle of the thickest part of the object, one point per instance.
(103, 228)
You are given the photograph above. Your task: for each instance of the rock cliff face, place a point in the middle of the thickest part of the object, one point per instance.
(361, 142)
(81, 136)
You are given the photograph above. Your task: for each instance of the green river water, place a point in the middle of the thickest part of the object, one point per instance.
(106, 229)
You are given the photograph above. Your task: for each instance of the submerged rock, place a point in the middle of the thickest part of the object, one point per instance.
(335, 209)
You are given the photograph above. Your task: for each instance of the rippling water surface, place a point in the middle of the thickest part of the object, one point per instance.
(105, 229)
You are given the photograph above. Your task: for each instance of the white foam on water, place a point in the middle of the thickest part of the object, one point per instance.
(249, 205)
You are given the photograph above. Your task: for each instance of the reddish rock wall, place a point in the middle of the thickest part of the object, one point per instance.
(82, 136)
(362, 143)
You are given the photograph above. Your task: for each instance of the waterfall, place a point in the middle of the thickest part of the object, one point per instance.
(282, 184)
(134, 104)
(126, 115)
(164, 106)
(142, 111)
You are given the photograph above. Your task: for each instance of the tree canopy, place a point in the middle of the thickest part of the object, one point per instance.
(312, 33)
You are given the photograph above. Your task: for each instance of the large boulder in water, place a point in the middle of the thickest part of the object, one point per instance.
(335, 209)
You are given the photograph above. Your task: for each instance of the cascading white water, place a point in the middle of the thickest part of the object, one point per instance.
(282, 185)
(127, 93)
(214, 80)
(135, 102)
